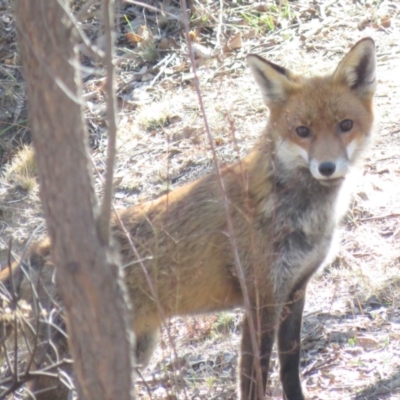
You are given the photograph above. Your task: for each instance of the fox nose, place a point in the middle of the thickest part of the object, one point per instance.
(327, 168)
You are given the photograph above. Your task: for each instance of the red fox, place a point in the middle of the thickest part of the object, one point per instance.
(283, 203)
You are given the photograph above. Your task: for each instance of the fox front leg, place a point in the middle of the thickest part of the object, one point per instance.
(289, 343)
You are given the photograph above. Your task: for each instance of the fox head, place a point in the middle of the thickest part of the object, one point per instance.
(320, 123)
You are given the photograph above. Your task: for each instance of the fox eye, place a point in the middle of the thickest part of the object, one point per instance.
(303, 132)
(346, 125)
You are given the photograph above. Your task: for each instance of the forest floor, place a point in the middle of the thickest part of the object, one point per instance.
(351, 332)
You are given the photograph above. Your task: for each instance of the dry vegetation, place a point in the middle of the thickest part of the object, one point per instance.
(351, 335)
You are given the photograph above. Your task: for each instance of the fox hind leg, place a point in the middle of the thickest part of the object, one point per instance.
(146, 342)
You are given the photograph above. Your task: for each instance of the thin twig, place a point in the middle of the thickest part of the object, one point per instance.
(85, 7)
(14, 302)
(225, 201)
(151, 286)
(105, 212)
(29, 376)
(392, 215)
(151, 8)
(10, 268)
(93, 50)
(163, 68)
(220, 23)
(144, 383)
(43, 64)
(140, 260)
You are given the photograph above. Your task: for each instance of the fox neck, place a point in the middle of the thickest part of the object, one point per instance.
(267, 174)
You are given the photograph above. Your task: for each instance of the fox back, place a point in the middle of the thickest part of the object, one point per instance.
(191, 252)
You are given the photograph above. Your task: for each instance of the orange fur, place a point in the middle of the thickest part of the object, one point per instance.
(283, 215)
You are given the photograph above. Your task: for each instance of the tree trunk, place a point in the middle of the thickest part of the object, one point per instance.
(87, 270)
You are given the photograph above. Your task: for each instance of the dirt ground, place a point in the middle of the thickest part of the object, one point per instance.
(351, 333)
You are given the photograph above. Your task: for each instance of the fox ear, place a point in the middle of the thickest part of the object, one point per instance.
(357, 69)
(274, 81)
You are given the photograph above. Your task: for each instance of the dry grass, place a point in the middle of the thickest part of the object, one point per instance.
(351, 334)
(22, 170)
(156, 117)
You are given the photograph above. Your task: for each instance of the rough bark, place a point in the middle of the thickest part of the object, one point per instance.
(88, 274)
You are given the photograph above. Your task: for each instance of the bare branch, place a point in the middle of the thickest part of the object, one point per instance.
(225, 201)
(105, 213)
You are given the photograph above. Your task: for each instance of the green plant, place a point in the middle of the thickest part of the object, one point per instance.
(352, 342)
(224, 323)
